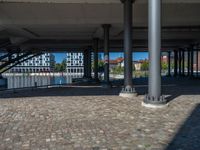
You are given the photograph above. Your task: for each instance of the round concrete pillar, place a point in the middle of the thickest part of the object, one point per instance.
(192, 62)
(169, 63)
(188, 63)
(154, 97)
(183, 62)
(106, 83)
(85, 58)
(175, 63)
(128, 90)
(95, 48)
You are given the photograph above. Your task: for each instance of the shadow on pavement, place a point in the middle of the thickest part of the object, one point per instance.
(188, 136)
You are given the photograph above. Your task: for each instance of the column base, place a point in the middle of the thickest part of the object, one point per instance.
(128, 92)
(154, 102)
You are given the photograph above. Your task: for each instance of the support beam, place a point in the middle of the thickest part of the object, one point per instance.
(18, 58)
(183, 62)
(192, 62)
(128, 89)
(197, 63)
(169, 63)
(18, 62)
(9, 54)
(96, 47)
(189, 59)
(175, 63)
(85, 58)
(179, 62)
(5, 56)
(154, 97)
(106, 28)
(89, 62)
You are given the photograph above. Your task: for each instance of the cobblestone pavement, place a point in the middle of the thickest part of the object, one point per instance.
(92, 118)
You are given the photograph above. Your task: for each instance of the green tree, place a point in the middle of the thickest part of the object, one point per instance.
(144, 69)
(164, 66)
(60, 67)
(118, 70)
(145, 66)
(63, 65)
(101, 66)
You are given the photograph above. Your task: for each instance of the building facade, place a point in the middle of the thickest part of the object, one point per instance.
(74, 63)
(42, 63)
(118, 62)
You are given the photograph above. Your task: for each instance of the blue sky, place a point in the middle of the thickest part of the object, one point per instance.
(59, 57)
(136, 56)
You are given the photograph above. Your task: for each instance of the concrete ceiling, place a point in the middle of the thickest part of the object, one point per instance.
(81, 20)
(94, 1)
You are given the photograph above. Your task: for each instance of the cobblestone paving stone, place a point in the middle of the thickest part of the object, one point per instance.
(74, 118)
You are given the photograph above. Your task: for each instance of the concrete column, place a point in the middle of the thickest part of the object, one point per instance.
(175, 63)
(179, 62)
(197, 63)
(188, 67)
(85, 58)
(154, 97)
(169, 63)
(183, 62)
(128, 90)
(192, 62)
(89, 63)
(96, 47)
(106, 28)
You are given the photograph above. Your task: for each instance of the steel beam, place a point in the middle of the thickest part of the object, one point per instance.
(18, 58)
(18, 62)
(50, 45)
(8, 54)
(5, 56)
(154, 97)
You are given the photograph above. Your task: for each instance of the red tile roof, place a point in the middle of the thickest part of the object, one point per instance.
(116, 61)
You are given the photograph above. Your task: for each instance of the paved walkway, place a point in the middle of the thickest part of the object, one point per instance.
(92, 118)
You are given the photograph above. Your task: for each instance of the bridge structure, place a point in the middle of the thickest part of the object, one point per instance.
(31, 27)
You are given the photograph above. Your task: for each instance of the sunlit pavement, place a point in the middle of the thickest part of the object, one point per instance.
(87, 117)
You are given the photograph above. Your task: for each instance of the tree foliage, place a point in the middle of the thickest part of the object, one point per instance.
(145, 66)
(60, 67)
(101, 66)
(164, 66)
(118, 70)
